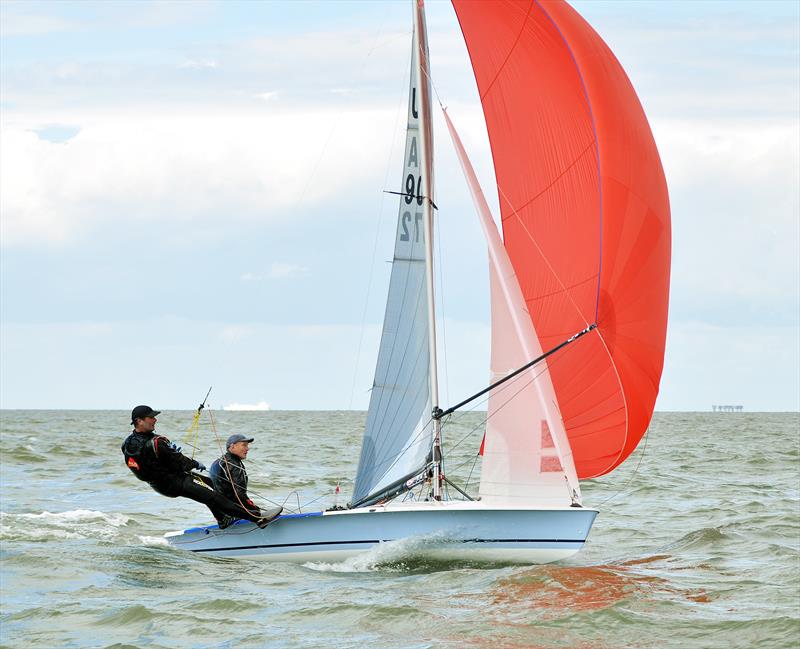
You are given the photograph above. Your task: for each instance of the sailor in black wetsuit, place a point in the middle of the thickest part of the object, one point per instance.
(155, 460)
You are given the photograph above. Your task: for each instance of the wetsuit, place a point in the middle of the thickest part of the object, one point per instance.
(156, 461)
(229, 477)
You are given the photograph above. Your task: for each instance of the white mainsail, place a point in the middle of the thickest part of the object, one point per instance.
(399, 432)
(527, 458)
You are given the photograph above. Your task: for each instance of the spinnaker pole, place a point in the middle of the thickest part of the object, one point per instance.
(426, 159)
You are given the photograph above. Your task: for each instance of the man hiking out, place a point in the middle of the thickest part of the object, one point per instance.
(154, 459)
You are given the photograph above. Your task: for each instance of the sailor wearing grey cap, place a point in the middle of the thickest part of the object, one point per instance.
(157, 461)
(230, 478)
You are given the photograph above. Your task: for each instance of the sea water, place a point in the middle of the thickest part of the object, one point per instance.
(697, 545)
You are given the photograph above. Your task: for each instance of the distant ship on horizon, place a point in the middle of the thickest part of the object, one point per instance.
(260, 406)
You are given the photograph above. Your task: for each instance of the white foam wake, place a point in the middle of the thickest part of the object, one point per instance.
(73, 524)
(390, 552)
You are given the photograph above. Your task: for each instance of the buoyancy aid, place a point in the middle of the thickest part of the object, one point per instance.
(153, 458)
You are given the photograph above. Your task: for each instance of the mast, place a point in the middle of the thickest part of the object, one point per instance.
(426, 189)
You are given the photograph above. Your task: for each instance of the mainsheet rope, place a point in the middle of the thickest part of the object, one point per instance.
(192, 440)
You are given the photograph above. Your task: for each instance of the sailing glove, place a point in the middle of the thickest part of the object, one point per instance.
(200, 465)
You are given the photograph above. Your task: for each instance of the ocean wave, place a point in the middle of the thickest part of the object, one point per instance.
(73, 524)
(221, 605)
(130, 614)
(27, 454)
(32, 450)
(701, 537)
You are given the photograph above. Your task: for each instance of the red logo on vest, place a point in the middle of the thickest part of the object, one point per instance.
(133, 464)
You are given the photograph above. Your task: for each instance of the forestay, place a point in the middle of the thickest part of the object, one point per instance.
(399, 430)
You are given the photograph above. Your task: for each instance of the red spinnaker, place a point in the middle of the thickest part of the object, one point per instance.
(585, 213)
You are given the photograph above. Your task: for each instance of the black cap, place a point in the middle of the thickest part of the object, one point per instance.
(140, 412)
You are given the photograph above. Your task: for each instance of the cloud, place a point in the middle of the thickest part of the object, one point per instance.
(57, 133)
(296, 366)
(17, 20)
(735, 205)
(232, 334)
(25, 19)
(92, 329)
(280, 270)
(126, 139)
(201, 169)
(192, 64)
(691, 60)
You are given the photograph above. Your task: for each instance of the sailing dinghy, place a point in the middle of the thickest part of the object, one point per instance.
(579, 293)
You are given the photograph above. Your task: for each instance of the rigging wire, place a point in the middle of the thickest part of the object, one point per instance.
(411, 444)
(438, 242)
(506, 402)
(474, 459)
(226, 466)
(229, 479)
(437, 245)
(564, 289)
(512, 380)
(385, 421)
(514, 211)
(635, 471)
(193, 431)
(469, 477)
(359, 76)
(510, 376)
(405, 351)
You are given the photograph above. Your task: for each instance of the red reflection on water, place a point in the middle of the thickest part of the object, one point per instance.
(569, 589)
(566, 589)
(525, 605)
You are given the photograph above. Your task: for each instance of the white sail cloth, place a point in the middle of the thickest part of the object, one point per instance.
(399, 430)
(527, 458)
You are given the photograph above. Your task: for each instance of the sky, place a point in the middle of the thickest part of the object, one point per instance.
(192, 195)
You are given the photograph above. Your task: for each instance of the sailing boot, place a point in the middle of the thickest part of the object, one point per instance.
(268, 516)
(226, 521)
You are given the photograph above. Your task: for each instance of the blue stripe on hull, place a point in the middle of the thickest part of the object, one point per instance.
(375, 541)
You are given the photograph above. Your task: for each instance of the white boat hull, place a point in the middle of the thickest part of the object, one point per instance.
(442, 530)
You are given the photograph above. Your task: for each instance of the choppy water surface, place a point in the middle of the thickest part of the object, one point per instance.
(697, 545)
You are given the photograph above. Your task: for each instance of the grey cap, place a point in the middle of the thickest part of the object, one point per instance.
(237, 438)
